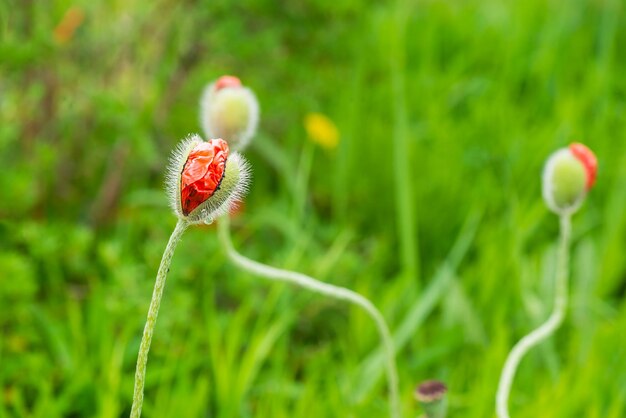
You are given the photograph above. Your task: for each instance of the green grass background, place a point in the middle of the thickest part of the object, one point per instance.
(430, 206)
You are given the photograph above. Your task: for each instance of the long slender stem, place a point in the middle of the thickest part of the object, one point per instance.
(546, 329)
(326, 289)
(406, 212)
(303, 178)
(153, 312)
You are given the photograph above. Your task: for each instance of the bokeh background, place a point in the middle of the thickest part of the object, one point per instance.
(429, 203)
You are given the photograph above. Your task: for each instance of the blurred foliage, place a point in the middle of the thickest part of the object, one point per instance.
(95, 95)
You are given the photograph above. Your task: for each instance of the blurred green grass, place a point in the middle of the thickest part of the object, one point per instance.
(490, 89)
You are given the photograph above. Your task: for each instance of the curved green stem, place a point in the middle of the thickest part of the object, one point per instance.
(546, 329)
(153, 312)
(326, 289)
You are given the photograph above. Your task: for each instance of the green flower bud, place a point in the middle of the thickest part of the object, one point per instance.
(229, 110)
(568, 175)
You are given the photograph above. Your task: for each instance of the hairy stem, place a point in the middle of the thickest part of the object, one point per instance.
(153, 312)
(546, 329)
(326, 289)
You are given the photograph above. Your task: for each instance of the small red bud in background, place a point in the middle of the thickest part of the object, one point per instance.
(229, 110)
(568, 175)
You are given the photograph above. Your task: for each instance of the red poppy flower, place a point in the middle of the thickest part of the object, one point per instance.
(202, 173)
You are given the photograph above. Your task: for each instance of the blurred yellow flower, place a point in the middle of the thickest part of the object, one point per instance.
(322, 130)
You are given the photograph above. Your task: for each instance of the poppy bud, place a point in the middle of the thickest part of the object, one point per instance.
(431, 394)
(204, 179)
(568, 175)
(229, 110)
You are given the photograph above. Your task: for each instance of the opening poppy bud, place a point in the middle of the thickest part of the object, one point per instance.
(205, 180)
(229, 110)
(568, 175)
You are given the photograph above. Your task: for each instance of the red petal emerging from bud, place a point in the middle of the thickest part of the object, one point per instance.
(227, 81)
(588, 159)
(202, 173)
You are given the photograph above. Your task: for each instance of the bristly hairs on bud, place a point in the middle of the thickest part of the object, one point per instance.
(230, 192)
